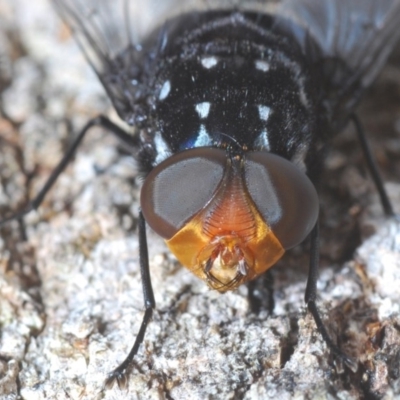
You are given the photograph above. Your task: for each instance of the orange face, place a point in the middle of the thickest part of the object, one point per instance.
(228, 242)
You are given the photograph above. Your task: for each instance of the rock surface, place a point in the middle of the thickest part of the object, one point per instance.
(70, 295)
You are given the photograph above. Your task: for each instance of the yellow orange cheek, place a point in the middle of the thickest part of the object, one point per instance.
(224, 251)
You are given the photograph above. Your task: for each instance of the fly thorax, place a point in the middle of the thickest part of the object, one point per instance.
(206, 90)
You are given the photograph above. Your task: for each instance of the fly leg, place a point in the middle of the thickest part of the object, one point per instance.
(35, 203)
(260, 300)
(98, 121)
(373, 168)
(310, 299)
(121, 373)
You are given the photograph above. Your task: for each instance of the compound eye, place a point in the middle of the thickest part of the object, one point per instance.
(179, 187)
(284, 196)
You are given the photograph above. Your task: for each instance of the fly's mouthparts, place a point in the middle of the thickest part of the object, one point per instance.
(227, 266)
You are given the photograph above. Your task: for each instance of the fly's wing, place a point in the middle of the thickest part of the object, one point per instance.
(354, 39)
(110, 33)
(130, 21)
(104, 30)
(349, 39)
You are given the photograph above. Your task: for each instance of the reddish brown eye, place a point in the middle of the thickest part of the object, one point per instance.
(284, 196)
(175, 190)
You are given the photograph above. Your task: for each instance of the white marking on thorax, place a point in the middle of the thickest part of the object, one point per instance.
(203, 138)
(162, 149)
(297, 76)
(203, 109)
(164, 42)
(164, 92)
(264, 112)
(299, 158)
(209, 62)
(303, 97)
(262, 65)
(262, 141)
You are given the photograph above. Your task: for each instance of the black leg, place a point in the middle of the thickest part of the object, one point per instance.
(373, 169)
(121, 373)
(310, 299)
(261, 293)
(99, 121)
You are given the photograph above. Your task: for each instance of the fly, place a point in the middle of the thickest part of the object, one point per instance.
(232, 106)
